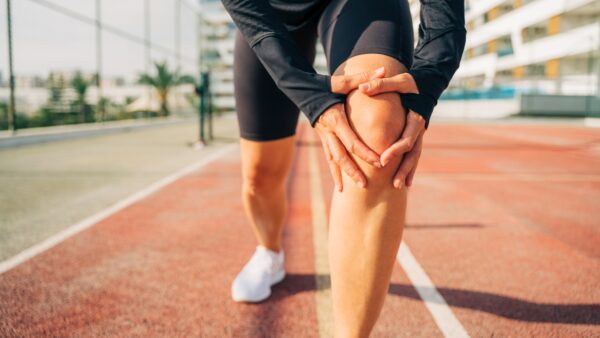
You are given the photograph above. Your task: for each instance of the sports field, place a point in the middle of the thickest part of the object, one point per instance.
(138, 235)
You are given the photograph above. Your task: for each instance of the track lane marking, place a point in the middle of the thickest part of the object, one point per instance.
(435, 303)
(74, 229)
(319, 222)
(529, 177)
(592, 122)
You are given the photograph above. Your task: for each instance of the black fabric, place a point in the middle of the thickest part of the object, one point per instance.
(352, 27)
(266, 34)
(441, 43)
(265, 26)
(346, 29)
(264, 112)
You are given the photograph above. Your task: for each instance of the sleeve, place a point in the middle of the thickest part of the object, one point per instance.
(437, 56)
(276, 50)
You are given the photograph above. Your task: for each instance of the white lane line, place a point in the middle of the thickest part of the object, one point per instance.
(441, 312)
(320, 235)
(55, 239)
(533, 177)
(593, 122)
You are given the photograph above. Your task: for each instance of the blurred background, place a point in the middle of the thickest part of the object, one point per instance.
(85, 61)
(109, 109)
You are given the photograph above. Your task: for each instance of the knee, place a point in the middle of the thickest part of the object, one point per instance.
(378, 120)
(260, 179)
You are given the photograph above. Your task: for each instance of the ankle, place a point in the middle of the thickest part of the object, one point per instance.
(274, 247)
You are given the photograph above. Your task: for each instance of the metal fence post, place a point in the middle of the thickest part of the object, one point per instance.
(12, 109)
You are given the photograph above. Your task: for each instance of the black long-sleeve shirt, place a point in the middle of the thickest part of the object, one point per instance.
(436, 59)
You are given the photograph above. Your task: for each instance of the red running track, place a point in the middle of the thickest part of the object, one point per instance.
(503, 218)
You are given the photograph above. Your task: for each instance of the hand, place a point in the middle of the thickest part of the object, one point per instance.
(338, 138)
(401, 83)
(343, 84)
(410, 145)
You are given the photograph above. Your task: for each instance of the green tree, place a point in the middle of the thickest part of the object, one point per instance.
(81, 85)
(56, 84)
(163, 81)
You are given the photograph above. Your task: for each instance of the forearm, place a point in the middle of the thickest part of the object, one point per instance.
(274, 47)
(441, 43)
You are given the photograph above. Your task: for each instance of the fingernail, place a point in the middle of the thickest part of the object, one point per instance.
(397, 184)
(364, 87)
(377, 164)
(362, 184)
(379, 70)
(383, 163)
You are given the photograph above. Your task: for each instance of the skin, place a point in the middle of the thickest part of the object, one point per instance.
(408, 145)
(265, 167)
(363, 243)
(373, 147)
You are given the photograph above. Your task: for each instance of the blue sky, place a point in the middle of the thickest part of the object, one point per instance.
(44, 40)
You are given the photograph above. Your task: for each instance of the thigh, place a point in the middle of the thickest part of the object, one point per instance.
(353, 27)
(264, 112)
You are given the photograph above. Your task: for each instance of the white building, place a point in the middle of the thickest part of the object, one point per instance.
(548, 46)
(513, 47)
(520, 52)
(216, 34)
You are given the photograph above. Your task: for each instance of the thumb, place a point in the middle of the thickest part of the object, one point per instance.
(377, 86)
(401, 83)
(344, 84)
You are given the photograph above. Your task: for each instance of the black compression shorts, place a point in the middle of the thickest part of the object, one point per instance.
(346, 28)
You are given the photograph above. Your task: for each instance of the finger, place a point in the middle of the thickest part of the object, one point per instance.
(415, 125)
(345, 83)
(408, 163)
(345, 162)
(397, 149)
(335, 170)
(354, 145)
(377, 86)
(411, 174)
(402, 83)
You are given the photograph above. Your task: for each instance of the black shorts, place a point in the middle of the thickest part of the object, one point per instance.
(346, 28)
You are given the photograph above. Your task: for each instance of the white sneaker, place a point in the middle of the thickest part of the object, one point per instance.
(253, 283)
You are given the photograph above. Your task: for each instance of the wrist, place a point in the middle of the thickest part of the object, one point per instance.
(409, 84)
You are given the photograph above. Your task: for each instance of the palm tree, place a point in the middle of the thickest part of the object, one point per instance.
(80, 84)
(163, 82)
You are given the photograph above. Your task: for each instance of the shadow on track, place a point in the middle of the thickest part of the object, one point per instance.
(499, 305)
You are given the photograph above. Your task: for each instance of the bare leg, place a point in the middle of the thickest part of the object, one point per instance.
(265, 167)
(366, 225)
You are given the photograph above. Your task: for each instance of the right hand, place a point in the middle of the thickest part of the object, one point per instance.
(338, 138)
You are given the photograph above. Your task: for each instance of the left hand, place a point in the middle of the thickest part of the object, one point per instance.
(410, 143)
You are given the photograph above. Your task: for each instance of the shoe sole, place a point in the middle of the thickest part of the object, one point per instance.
(278, 278)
